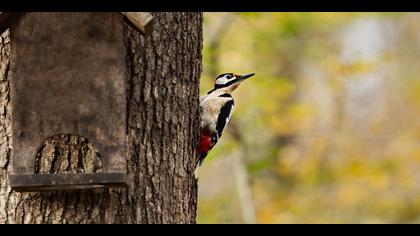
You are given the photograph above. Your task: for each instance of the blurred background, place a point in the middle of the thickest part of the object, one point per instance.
(328, 131)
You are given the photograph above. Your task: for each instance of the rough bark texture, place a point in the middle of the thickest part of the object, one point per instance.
(163, 124)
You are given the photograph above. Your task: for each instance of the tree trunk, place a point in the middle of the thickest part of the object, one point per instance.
(163, 121)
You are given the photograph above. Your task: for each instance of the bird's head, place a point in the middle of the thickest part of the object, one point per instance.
(230, 81)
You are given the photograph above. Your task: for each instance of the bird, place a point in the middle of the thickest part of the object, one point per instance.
(216, 108)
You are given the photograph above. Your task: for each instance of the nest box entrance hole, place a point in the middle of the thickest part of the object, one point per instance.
(68, 154)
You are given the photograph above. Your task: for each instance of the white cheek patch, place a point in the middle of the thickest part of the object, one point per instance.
(222, 80)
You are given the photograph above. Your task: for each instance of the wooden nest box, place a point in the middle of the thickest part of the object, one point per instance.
(68, 75)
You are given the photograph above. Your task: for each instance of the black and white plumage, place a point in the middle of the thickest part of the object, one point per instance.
(216, 111)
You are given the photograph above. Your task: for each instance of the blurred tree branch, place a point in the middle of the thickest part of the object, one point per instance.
(237, 158)
(215, 39)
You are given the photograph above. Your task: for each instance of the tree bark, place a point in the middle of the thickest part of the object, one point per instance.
(163, 124)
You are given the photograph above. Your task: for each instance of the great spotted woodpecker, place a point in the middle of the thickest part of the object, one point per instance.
(216, 109)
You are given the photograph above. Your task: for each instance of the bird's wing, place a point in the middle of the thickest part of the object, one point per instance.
(224, 117)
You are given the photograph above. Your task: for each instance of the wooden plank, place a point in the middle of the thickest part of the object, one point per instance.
(142, 20)
(5, 20)
(55, 182)
(68, 82)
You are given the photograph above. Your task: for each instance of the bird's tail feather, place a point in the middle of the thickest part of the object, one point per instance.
(201, 158)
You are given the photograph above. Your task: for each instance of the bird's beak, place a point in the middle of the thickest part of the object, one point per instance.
(240, 78)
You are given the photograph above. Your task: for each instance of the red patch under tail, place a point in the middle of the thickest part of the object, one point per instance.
(204, 146)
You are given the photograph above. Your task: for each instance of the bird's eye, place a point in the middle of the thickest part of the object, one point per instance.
(229, 76)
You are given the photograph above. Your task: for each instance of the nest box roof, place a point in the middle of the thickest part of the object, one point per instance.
(141, 20)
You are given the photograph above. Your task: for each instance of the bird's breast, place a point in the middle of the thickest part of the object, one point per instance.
(210, 109)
